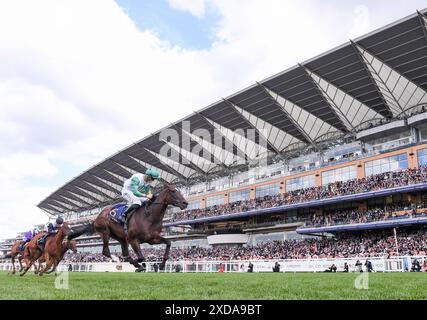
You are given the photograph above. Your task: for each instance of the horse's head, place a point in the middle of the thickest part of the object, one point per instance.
(66, 229)
(174, 197)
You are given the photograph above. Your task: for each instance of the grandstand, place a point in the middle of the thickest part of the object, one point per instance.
(332, 148)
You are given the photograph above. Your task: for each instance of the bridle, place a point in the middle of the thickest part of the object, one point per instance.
(159, 203)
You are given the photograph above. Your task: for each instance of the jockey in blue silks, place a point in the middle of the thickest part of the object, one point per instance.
(50, 228)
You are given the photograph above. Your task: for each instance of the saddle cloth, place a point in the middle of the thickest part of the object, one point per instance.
(116, 213)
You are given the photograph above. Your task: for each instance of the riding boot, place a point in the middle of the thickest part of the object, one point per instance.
(129, 210)
(127, 214)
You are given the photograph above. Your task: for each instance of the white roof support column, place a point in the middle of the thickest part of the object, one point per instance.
(295, 123)
(347, 123)
(270, 145)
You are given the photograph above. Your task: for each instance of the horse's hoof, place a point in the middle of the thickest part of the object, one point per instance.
(141, 269)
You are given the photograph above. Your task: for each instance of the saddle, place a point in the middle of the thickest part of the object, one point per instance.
(22, 246)
(116, 213)
(42, 241)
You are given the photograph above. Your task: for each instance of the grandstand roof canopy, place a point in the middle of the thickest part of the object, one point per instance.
(363, 83)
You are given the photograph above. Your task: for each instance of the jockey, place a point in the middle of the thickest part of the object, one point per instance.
(28, 236)
(51, 228)
(137, 190)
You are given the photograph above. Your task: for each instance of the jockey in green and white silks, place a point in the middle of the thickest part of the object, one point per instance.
(137, 189)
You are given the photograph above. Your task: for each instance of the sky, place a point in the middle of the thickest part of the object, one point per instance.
(80, 80)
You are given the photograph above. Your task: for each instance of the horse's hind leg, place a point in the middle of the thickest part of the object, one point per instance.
(125, 254)
(105, 240)
(136, 247)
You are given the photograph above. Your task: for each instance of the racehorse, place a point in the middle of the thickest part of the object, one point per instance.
(144, 225)
(32, 251)
(16, 252)
(54, 253)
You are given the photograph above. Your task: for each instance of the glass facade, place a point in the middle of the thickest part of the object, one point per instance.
(339, 174)
(241, 195)
(393, 163)
(268, 190)
(214, 200)
(300, 183)
(422, 157)
(195, 204)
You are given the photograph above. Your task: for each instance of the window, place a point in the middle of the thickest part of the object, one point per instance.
(340, 174)
(241, 195)
(393, 163)
(268, 190)
(300, 183)
(422, 157)
(214, 200)
(195, 204)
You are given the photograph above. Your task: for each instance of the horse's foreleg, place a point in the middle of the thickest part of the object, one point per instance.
(28, 262)
(13, 264)
(160, 240)
(48, 265)
(20, 262)
(37, 266)
(54, 265)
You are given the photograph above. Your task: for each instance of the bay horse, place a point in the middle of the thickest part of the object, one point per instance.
(32, 251)
(144, 225)
(54, 253)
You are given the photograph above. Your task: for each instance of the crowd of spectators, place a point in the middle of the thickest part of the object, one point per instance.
(363, 245)
(371, 183)
(370, 215)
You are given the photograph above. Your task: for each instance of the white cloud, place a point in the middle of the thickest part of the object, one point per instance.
(78, 80)
(195, 7)
(361, 22)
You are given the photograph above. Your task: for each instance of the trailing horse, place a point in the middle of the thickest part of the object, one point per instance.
(16, 252)
(32, 251)
(144, 226)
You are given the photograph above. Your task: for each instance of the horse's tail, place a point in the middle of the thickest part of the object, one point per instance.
(87, 228)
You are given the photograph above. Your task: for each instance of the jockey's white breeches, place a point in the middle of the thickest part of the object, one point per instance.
(132, 199)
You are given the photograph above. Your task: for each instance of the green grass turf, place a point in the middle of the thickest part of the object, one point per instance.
(215, 286)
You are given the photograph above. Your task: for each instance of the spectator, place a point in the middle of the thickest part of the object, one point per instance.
(251, 267)
(368, 265)
(358, 266)
(416, 266)
(345, 267)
